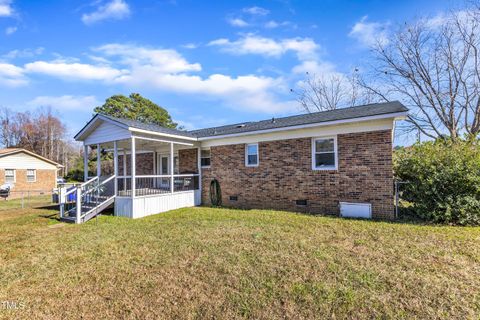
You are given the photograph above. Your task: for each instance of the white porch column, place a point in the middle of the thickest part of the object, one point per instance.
(115, 166)
(172, 168)
(85, 163)
(199, 170)
(99, 165)
(124, 169)
(133, 164)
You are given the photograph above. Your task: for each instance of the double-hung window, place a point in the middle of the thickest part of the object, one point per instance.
(9, 175)
(251, 155)
(324, 153)
(205, 158)
(31, 175)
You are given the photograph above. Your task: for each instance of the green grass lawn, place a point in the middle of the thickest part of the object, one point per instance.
(219, 263)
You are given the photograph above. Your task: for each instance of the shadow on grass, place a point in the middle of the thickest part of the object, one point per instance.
(405, 216)
(47, 207)
(53, 216)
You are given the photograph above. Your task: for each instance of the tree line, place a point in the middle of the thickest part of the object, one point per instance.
(40, 131)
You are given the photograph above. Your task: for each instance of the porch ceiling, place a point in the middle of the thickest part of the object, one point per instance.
(146, 145)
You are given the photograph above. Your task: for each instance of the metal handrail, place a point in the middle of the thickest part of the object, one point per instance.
(161, 176)
(96, 189)
(85, 194)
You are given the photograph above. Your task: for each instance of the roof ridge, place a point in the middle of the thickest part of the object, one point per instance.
(297, 115)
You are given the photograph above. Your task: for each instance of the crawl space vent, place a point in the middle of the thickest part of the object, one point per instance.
(356, 210)
(301, 202)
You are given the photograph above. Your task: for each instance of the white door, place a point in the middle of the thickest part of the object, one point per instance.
(163, 164)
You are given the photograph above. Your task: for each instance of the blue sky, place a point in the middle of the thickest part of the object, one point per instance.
(207, 62)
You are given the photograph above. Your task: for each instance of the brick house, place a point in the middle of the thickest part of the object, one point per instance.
(27, 172)
(334, 162)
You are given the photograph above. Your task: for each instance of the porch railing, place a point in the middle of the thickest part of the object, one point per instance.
(81, 200)
(146, 185)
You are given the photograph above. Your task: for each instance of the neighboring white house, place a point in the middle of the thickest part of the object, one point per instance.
(27, 172)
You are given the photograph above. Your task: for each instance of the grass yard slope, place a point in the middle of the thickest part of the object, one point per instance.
(199, 263)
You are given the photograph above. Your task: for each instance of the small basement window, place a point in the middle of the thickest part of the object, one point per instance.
(205, 158)
(324, 153)
(301, 202)
(31, 175)
(9, 175)
(251, 155)
(233, 198)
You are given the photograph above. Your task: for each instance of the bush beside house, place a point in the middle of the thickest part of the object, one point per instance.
(443, 180)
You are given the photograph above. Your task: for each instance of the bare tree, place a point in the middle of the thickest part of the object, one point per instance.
(330, 92)
(41, 132)
(433, 67)
(10, 132)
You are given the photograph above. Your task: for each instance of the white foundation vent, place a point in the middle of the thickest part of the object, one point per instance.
(356, 210)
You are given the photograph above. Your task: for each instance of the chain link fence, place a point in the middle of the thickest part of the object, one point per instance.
(402, 207)
(26, 199)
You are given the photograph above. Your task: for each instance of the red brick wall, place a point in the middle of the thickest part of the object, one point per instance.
(285, 174)
(45, 182)
(144, 164)
(187, 159)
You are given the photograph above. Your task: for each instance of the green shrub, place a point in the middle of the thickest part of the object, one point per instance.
(443, 180)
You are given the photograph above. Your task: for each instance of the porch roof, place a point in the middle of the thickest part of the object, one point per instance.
(128, 127)
(149, 126)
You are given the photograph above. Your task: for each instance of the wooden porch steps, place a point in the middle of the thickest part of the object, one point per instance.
(91, 210)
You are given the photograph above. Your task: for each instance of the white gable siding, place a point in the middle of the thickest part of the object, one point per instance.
(107, 132)
(24, 161)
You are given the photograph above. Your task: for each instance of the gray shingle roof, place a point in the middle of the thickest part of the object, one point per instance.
(303, 119)
(149, 126)
(285, 122)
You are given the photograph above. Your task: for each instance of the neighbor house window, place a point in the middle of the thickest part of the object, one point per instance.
(205, 158)
(324, 153)
(9, 175)
(251, 155)
(31, 175)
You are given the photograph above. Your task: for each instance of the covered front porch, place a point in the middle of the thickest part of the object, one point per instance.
(139, 172)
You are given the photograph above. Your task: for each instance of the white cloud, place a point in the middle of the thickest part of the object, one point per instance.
(257, 11)
(314, 67)
(253, 44)
(237, 22)
(158, 60)
(190, 46)
(74, 71)
(66, 102)
(11, 75)
(467, 17)
(272, 24)
(161, 69)
(6, 9)
(115, 9)
(24, 53)
(370, 33)
(10, 30)
(305, 49)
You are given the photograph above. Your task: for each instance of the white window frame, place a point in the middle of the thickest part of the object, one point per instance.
(14, 175)
(34, 175)
(206, 149)
(335, 151)
(246, 155)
